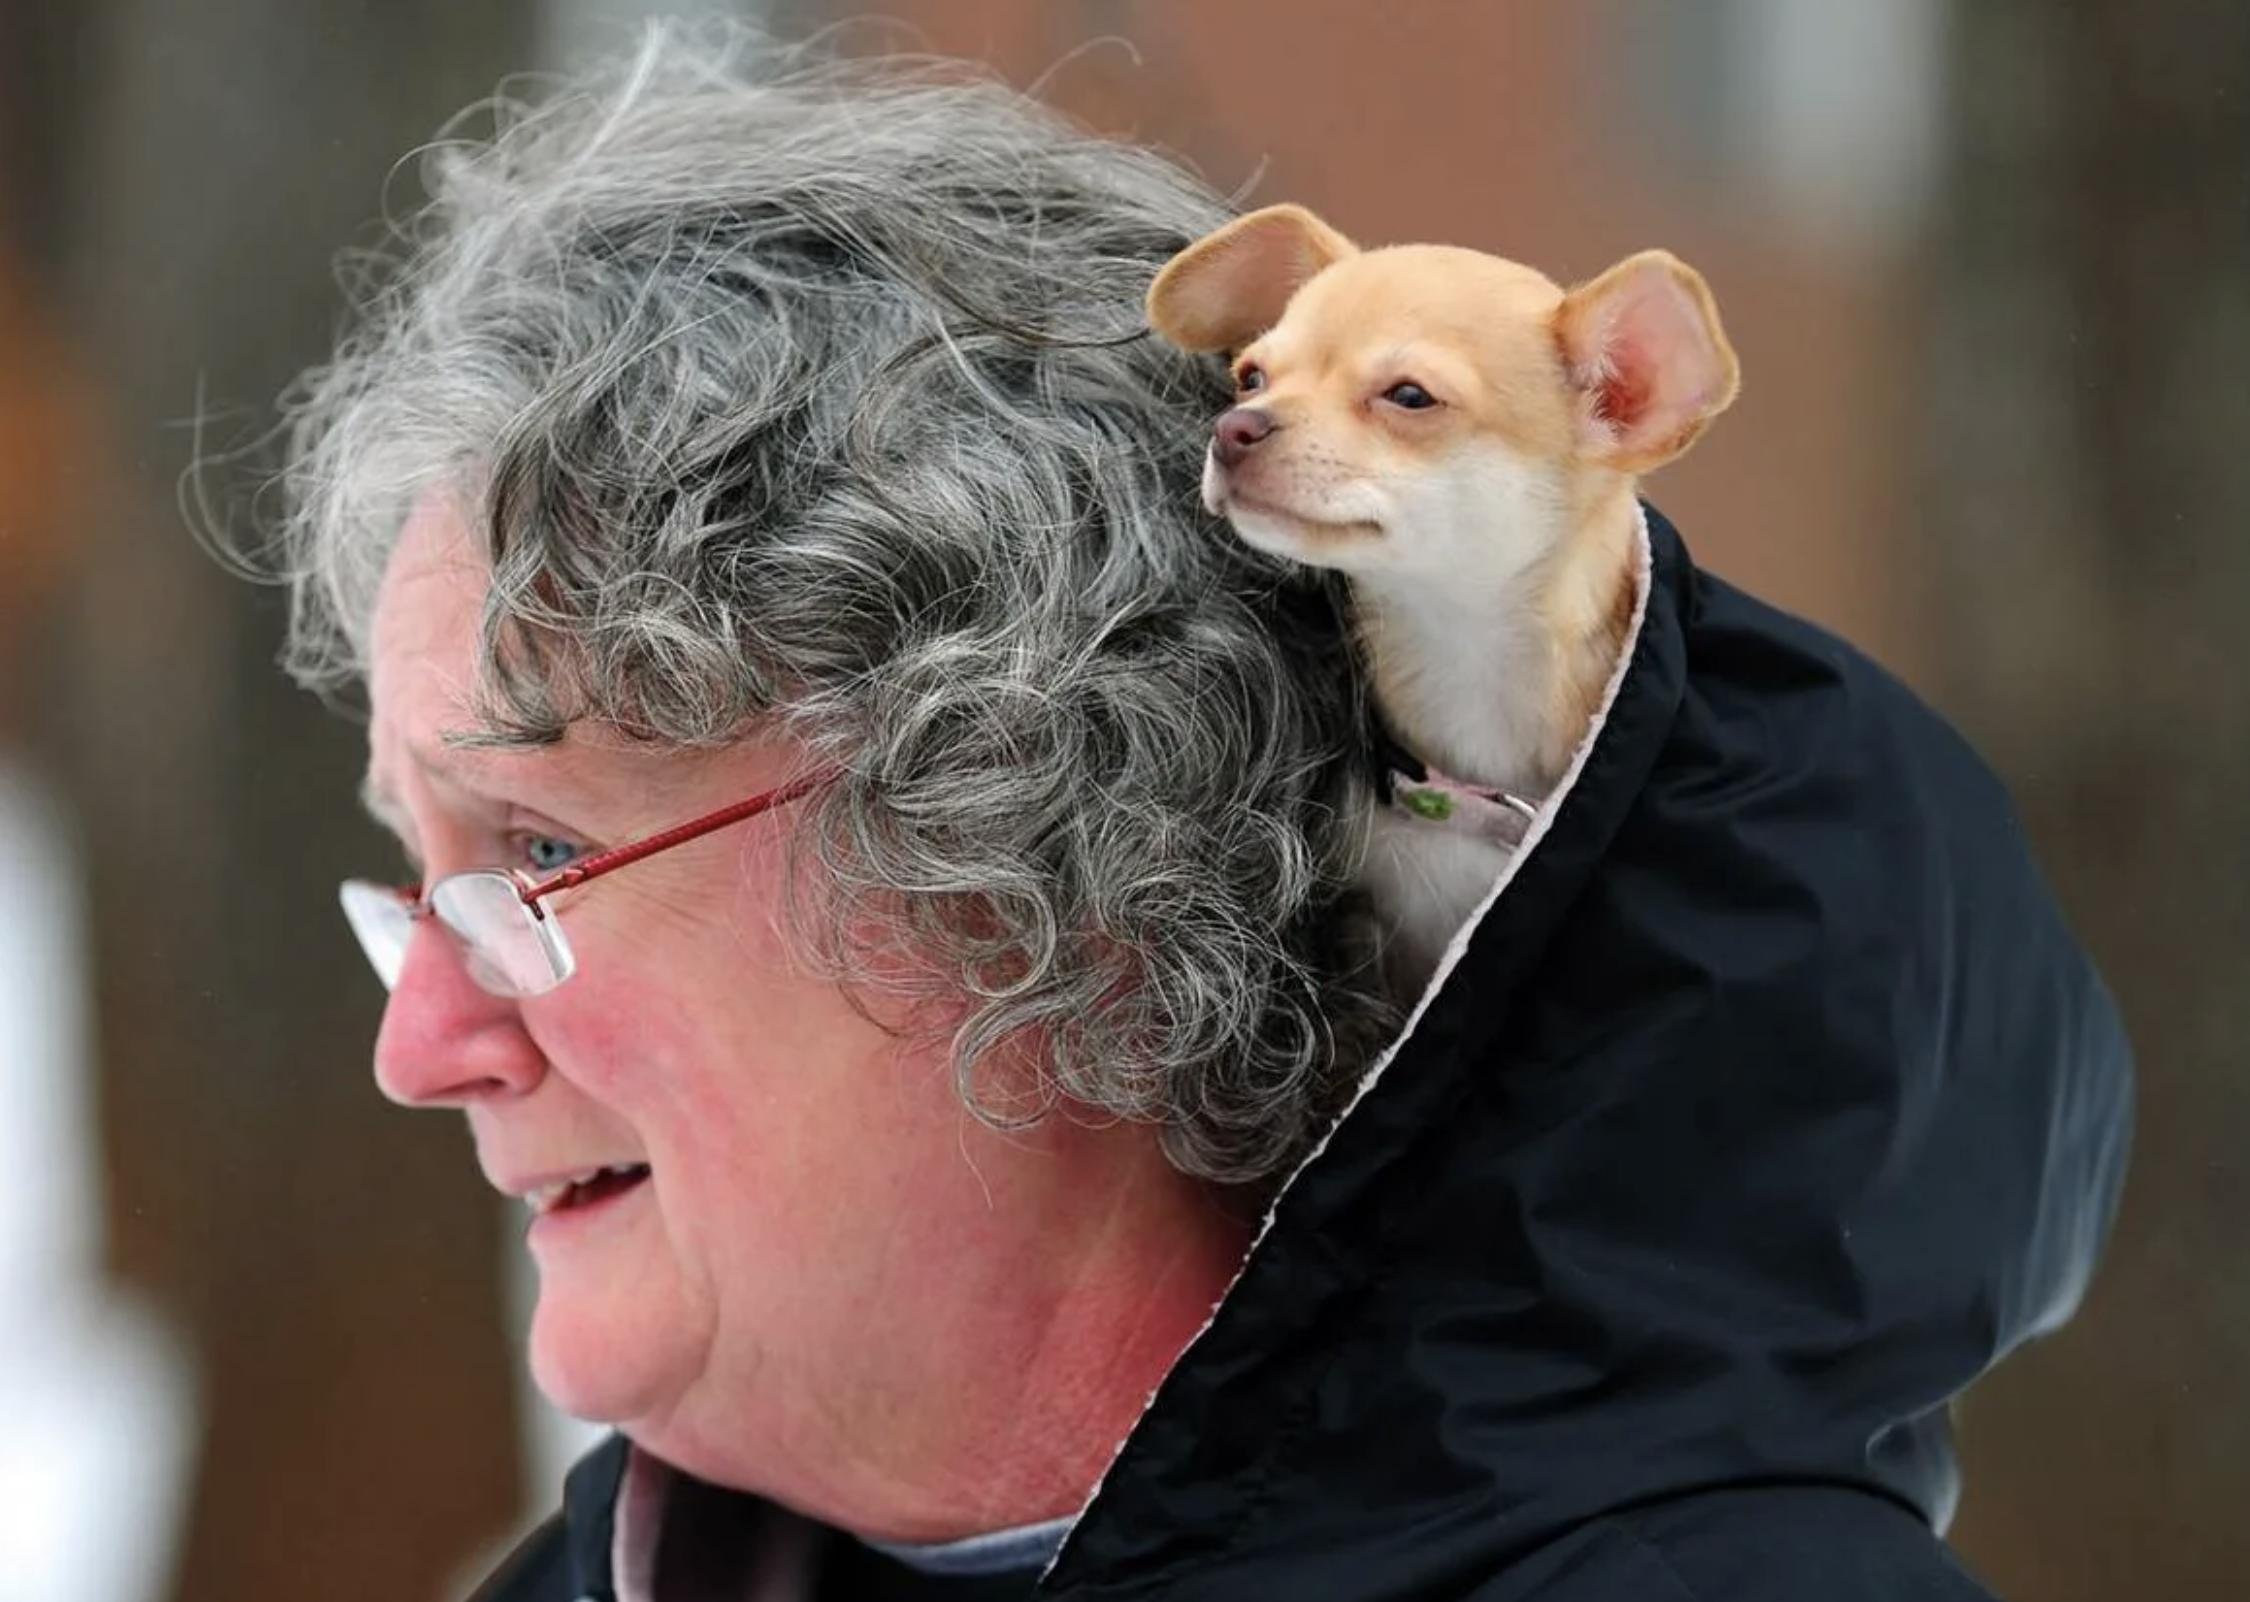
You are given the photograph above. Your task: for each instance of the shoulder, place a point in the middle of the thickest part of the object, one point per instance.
(1769, 1543)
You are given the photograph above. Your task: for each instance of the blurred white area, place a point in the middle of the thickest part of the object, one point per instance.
(99, 1402)
(1826, 117)
(1838, 107)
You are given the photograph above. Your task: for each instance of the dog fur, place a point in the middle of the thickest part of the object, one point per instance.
(1462, 438)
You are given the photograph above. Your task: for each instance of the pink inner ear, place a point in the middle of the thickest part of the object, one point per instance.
(1625, 386)
(1657, 366)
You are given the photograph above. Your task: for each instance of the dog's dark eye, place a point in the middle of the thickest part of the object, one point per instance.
(1411, 396)
(1251, 379)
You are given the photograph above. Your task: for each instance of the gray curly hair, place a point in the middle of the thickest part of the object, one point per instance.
(791, 392)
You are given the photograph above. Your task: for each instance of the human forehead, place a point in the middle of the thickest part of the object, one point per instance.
(423, 665)
(422, 634)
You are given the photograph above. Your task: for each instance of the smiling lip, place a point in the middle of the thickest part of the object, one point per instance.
(579, 1188)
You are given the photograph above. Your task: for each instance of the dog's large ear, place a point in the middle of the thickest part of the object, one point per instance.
(1646, 355)
(1229, 287)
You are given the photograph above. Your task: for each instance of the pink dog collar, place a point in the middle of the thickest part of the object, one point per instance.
(1405, 781)
(1493, 815)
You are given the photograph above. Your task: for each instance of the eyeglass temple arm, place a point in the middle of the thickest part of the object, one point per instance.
(602, 862)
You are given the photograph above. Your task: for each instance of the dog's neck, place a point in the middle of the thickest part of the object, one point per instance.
(1496, 681)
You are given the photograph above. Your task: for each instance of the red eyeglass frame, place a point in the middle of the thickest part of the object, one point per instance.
(602, 862)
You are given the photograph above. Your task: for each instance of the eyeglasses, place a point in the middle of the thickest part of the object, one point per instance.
(513, 945)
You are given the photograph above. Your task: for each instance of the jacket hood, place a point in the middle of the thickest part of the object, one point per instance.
(1767, 1103)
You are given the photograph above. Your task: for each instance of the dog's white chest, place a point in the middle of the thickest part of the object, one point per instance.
(1426, 879)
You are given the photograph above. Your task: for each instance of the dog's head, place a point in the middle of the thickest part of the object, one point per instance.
(1424, 409)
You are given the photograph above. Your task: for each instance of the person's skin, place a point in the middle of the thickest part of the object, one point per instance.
(835, 1288)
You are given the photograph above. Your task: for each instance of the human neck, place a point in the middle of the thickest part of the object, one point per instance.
(1493, 678)
(1006, 1404)
(1036, 1434)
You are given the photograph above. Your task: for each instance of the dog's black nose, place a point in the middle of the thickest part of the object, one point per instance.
(1237, 431)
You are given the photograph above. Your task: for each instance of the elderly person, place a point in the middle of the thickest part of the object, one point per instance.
(883, 858)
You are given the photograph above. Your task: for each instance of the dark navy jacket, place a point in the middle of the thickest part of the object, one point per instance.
(1769, 1105)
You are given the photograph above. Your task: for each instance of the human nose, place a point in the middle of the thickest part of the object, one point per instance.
(445, 1041)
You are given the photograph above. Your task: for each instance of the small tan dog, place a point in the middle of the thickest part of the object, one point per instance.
(1462, 438)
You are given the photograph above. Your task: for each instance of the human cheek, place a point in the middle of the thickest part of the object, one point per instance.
(650, 1057)
(605, 1035)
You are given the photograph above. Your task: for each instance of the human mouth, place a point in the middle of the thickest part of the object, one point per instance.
(587, 1189)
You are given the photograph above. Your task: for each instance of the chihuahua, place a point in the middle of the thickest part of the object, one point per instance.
(1461, 438)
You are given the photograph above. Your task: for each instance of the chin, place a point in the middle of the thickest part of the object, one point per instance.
(1267, 531)
(1315, 541)
(586, 1377)
(602, 1354)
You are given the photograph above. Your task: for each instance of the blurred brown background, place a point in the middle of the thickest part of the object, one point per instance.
(1988, 268)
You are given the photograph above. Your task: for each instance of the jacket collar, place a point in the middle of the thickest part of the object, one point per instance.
(590, 1509)
(1764, 1103)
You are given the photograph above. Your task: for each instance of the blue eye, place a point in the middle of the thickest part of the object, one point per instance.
(547, 853)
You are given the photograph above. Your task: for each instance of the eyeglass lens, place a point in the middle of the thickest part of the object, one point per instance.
(509, 950)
